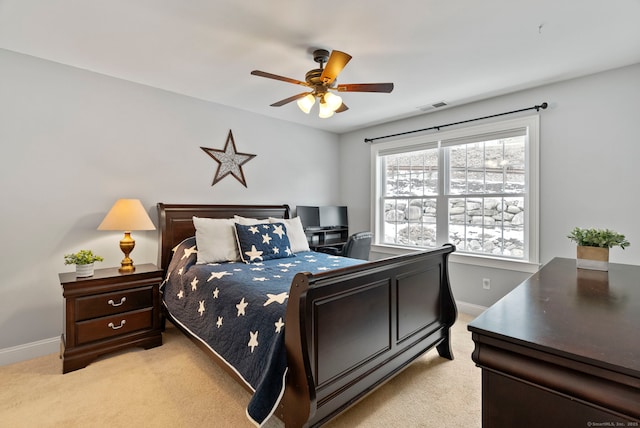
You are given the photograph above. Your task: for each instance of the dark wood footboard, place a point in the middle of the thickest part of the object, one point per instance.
(349, 330)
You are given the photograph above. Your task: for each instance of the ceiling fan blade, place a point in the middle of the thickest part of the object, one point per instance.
(343, 107)
(337, 61)
(288, 100)
(365, 87)
(276, 77)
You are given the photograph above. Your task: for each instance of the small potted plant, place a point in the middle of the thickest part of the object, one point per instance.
(84, 260)
(593, 246)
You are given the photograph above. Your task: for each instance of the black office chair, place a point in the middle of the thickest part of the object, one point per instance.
(357, 247)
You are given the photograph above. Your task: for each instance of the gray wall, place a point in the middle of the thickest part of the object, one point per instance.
(74, 142)
(589, 151)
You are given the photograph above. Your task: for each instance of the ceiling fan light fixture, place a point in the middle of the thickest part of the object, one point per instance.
(325, 110)
(305, 103)
(333, 101)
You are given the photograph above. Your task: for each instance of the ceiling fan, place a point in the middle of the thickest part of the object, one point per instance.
(322, 81)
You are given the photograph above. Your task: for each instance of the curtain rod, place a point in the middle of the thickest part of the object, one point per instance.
(537, 108)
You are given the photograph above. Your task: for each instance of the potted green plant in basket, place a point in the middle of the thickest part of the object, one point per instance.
(84, 260)
(593, 246)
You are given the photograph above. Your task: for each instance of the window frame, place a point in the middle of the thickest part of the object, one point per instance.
(532, 179)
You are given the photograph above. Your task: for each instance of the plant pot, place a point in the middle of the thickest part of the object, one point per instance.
(594, 258)
(84, 270)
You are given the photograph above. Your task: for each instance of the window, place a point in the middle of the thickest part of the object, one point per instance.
(474, 187)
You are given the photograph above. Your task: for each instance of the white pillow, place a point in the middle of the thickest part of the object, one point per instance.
(297, 237)
(249, 221)
(216, 240)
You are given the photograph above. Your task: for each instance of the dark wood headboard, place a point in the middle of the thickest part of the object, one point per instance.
(176, 221)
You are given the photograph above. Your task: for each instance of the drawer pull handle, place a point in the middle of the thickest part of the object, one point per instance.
(113, 327)
(114, 304)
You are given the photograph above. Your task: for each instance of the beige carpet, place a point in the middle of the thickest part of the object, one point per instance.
(176, 385)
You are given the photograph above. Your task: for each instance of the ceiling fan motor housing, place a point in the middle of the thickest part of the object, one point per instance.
(321, 56)
(313, 77)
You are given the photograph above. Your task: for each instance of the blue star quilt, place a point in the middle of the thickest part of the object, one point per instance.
(238, 311)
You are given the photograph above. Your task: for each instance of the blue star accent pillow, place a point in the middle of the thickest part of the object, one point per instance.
(258, 242)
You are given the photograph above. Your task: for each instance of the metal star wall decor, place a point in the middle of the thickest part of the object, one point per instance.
(229, 160)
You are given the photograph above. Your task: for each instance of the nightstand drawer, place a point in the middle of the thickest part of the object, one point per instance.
(113, 303)
(101, 328)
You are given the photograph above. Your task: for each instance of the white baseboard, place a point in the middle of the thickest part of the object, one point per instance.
(28, 351)
(470, 308)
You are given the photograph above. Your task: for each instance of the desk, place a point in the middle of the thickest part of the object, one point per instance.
(327, 237)
(562, 349)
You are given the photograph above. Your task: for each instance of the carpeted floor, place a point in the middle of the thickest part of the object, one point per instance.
(176, 385)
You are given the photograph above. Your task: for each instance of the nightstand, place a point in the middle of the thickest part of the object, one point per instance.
(108, 312)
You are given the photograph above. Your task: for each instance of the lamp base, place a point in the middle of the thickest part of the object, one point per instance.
(126, 267)
(126, 245)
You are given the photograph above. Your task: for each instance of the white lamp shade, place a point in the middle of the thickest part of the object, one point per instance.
(127, 215)
(333, 101)
(305, 103)
(325, 110)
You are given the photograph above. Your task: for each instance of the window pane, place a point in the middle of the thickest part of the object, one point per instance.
(514, 165)
(393, 216)
(475, 168)
(410, 222)
(411, 174)
(496, 166)
(458, 170)
(492, 226)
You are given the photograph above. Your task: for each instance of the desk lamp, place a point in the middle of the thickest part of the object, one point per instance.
(127, 215)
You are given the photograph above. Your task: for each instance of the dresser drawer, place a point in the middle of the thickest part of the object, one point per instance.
(113, 303)
(115, 325)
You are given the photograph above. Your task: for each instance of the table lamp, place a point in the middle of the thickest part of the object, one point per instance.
(127, 215)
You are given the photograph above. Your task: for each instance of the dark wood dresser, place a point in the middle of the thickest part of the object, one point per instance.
(109, 311)
(562, 350)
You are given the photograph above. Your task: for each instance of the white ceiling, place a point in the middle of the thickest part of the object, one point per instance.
(433, 50)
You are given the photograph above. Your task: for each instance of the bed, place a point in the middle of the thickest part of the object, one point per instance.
(348, 329)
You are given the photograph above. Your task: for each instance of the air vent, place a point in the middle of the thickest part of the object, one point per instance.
(432, 106)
